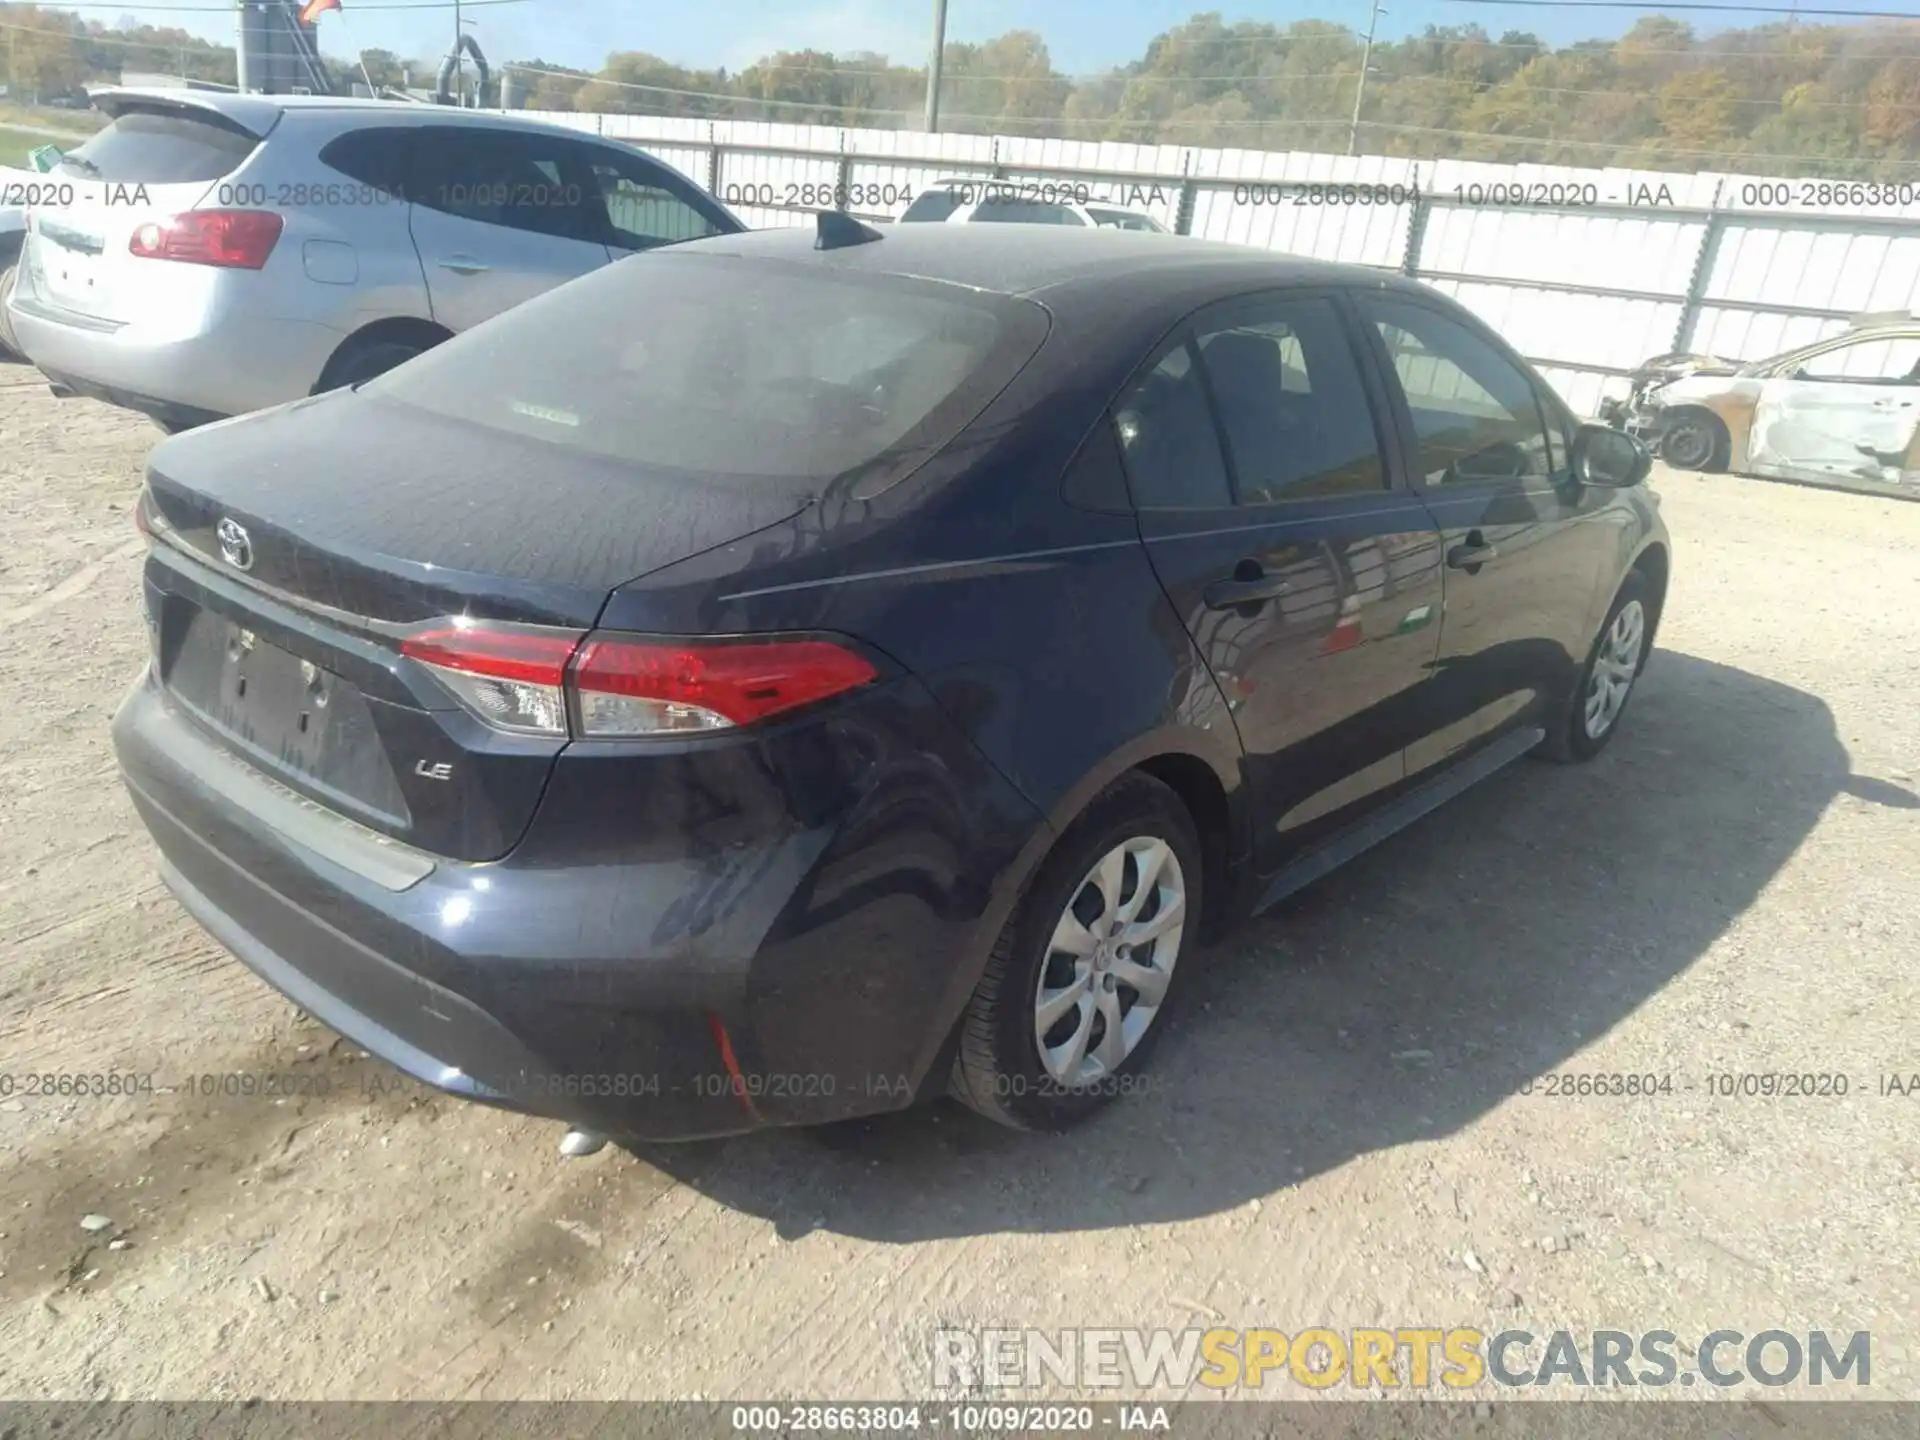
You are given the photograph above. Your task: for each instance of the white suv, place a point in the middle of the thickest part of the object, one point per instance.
(209, 254)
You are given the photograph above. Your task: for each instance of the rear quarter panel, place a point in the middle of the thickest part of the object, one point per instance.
(1038, 629)
(346, 257)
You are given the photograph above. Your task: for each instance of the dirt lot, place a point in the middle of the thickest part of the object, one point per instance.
(1341, 1139)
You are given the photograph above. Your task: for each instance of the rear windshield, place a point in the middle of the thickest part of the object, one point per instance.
(717, 366)
(151, 147)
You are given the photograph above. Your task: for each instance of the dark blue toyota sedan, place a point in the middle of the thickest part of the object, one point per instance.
(788, 675)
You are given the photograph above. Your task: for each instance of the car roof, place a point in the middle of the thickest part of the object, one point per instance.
(1056, 265)
(260, 113)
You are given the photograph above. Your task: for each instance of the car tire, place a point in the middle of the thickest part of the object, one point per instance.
(1696, 440)
(1618, 658)
(999, 1070)
(356, 364)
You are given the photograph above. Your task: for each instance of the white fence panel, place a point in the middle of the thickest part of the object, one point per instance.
(1588, 272)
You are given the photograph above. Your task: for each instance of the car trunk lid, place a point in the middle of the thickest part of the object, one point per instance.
(287, 582)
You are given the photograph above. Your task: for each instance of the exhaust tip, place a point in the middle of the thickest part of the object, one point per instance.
(61, 392)
(582, 1142)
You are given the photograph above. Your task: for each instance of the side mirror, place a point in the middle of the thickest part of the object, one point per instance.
(1609, 458)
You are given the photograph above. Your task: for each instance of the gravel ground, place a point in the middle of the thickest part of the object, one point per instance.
(1341, 1138)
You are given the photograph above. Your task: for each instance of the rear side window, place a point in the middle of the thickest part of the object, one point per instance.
(935, 204)
(1122, 220)
(379, 157)
(519, 180)
(711, 366)
(1168, 440)
(162, 147)
(1292, 404)
(1024, 212)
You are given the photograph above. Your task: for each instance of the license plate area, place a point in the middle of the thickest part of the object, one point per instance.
(71, 270)
(288, 715)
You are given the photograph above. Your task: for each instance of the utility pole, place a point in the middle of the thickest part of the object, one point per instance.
(933, 65)
(459, 58)
(1366, 65)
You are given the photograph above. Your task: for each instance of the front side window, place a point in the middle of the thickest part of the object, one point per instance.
(1292, 404)
(1887, 360)
(644, 205)
(1475, 413)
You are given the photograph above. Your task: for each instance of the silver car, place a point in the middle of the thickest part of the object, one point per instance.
(208, 254)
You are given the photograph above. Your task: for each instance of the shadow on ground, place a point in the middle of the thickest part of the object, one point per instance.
(1398, 1000)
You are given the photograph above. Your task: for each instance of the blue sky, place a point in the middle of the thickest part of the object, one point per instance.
(1084, 35)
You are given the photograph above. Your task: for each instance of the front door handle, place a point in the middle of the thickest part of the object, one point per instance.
(1471, 554)
(464, 265)
(1250, 585)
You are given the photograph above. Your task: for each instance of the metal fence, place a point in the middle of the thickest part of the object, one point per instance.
(1587, 272)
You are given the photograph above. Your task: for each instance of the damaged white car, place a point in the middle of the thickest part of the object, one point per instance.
(1843, 411)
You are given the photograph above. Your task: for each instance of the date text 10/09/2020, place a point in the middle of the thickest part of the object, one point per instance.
(1721, 1085)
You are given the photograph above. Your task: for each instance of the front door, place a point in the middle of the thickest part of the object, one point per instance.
(500, 216)
(1845, 413)
(1308, 580)
(1522, 551)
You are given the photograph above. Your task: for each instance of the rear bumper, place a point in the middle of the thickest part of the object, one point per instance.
(234, 362)
(593, 981)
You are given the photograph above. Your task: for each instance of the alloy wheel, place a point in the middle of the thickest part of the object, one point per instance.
(1615, 668)
(1109, 961)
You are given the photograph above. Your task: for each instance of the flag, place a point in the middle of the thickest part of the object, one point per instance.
(314, 9)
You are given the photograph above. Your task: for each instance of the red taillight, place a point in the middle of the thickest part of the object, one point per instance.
(519, 678)
(531, 657)
(236, 239)
(629, 687)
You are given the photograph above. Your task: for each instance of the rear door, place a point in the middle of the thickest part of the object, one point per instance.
(152, 159)
(1849, 411)
(1257, 452)
(500, 216)
(1522, 551)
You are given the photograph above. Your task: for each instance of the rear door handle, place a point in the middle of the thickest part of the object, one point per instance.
(1471, 554)
(1245, 589)
(464, 265)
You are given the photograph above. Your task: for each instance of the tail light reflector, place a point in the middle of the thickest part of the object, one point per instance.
(232, 239)
(555, 682)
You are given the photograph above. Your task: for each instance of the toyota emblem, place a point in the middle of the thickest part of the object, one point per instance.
(235, 546)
